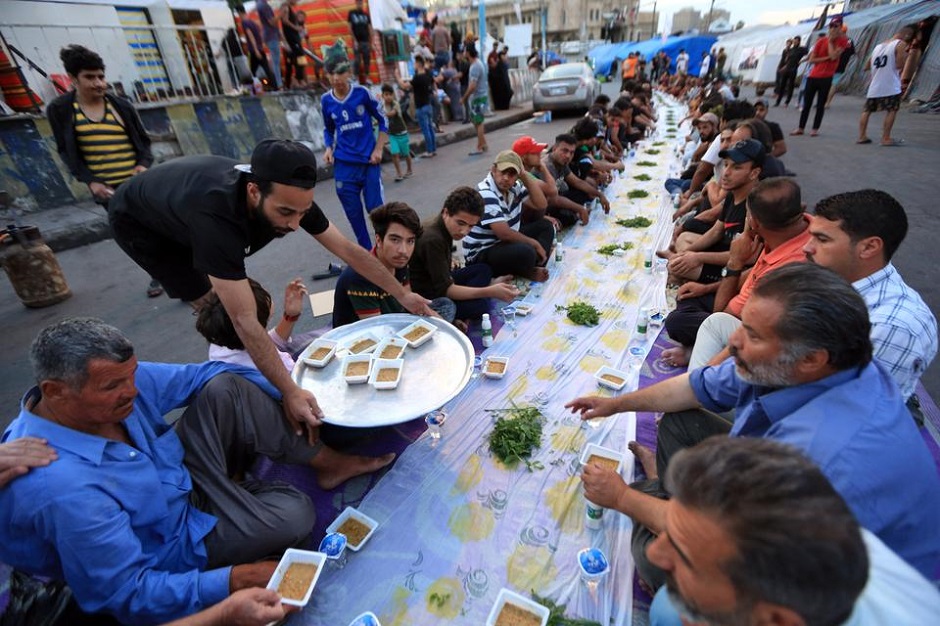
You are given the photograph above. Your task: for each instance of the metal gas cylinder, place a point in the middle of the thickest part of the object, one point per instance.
(32, 267)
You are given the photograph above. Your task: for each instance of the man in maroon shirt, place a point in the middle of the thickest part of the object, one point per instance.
(825, 59)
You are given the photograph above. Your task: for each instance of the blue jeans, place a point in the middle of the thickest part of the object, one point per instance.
(426, 122)
(444, 307)
(478, 275)
(677, 184)
(274, 46)
(355, 181)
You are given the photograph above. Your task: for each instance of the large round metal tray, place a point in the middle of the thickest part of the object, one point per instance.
(433, 374)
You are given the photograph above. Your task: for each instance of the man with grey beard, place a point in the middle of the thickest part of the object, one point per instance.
(801, 373)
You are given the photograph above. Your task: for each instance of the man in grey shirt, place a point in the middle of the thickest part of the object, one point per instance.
(476, 97)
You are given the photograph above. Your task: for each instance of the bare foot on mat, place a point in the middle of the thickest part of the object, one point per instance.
(334, 468)
(646, 457)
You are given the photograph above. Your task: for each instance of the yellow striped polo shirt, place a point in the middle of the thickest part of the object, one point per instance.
(105, 146)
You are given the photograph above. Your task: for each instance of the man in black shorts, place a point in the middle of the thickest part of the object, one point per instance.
(191, 222)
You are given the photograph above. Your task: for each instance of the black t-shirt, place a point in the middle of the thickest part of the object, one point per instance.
(423, 85)
(776, 133)
(200, 203)
(464, 68)
(772, 167)
(582, 163)
(732, 216)
(359, 21)
(793, 58)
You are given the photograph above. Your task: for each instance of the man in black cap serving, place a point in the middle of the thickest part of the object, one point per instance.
(191, 222)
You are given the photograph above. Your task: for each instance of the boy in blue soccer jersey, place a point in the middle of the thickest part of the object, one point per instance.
(351, 145)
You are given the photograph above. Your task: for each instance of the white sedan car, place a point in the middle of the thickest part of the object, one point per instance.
(566, 86)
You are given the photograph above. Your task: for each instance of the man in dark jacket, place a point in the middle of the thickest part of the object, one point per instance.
(99, 136)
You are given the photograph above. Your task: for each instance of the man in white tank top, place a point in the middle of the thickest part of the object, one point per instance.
(884, 93)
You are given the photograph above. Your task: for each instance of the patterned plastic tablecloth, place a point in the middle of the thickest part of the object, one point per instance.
(455, 524)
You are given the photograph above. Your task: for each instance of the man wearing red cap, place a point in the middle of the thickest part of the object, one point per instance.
(530, 151)
(825, 60)
(191, 222)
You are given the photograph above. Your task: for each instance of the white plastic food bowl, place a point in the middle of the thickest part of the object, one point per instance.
(378, 365)
(495, 359)
(297, 556)
(609, 384)
(358, 515)
(395, 341)
(357, 358)
(511, 597)
(352, 342)
(523, 308)
(592, 449)
(316, 345)
(423, 338)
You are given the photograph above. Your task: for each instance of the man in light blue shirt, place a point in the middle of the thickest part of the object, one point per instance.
(143, 520)
(801, 373)
(856, 234)
(755, 534)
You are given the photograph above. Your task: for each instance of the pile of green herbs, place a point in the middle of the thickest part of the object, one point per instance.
(581, 313)
(517, 432)
(635, 222)
(637, 193)
(612, 248)
(643, 177)
(646, 164)
(556, 613)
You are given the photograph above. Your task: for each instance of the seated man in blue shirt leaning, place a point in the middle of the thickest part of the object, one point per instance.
(143, 520)
(397, 228)
(801, 373)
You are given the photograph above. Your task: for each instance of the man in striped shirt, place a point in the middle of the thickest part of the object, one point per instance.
(99, 136)
(501, 240)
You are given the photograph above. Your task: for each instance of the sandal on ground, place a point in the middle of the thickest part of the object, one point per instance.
(893, 142)
(865, 140)
(798, 131)
(398, 179)
(409, 174)
(155, 289)
(476, 153)
(814, 133)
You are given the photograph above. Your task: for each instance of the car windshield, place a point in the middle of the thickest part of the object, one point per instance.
(567, 70)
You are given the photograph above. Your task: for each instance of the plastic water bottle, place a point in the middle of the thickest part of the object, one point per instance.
(648, 261)
(559, 253)
(487, 327)
(642, 321)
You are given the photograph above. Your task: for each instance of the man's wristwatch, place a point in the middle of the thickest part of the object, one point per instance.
(725, 272)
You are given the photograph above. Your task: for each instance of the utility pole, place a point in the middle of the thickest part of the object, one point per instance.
(708, 25)
(655, 22)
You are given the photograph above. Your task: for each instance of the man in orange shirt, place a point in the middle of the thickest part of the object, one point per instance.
(628, 70)
(776, 229)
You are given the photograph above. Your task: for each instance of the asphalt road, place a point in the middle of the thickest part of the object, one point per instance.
(108, 285)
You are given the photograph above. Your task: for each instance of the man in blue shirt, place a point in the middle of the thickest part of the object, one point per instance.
(143, 520)
(352, 147)
(801, 373)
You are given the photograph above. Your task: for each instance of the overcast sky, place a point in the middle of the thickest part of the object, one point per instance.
(750, 11)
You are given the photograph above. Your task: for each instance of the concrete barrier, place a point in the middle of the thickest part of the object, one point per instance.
(35, 177)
